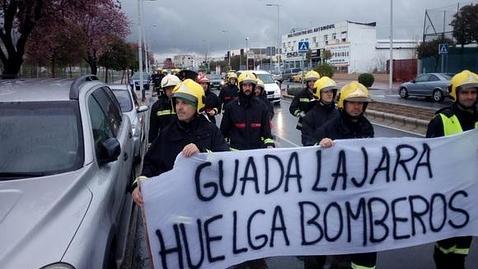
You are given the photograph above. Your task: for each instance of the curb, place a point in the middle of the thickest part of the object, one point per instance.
(413, 125)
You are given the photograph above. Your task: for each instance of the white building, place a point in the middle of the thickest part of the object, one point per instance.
(188, 61)
(353, 47)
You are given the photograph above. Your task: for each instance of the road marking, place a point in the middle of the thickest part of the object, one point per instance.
(287, 140)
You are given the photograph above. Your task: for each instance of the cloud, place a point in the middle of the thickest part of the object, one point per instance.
(197, 26)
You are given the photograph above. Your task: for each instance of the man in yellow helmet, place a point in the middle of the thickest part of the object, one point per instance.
(461, 116)
(350, 123)
(323, 110)
(246, 120)
(190, 132)
(302, 102)
(230, 90)
(260, 93)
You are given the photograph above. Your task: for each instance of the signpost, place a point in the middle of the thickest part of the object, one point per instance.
(303, 48)
(443, 51)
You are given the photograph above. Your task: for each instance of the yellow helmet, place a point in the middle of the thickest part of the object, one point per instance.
(323, 84)
(247, 77)
(231, 75)
(260, 83)
(190, 91)
(311, 76)
(461, 80)
(354, 92)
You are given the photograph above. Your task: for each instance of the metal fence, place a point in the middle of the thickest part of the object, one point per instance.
(455, 61)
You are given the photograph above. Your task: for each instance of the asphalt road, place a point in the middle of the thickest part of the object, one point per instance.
(378, 93)
(419, 257)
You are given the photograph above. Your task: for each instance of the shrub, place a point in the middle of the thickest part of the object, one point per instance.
(325, 69)
(366, 79)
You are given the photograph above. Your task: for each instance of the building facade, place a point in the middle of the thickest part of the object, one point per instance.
(351, 47)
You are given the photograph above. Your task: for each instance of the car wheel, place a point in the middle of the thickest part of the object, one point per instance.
(403, 93)
(437, 96)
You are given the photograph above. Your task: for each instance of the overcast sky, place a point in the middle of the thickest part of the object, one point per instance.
(196, 26)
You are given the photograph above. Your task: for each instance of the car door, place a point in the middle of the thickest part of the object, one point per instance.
(433, 83)
(418, 88)
(107, 122)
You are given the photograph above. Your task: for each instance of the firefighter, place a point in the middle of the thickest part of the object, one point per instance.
(323, 110)
(350, 123)
(461, 116)
(259, 92)
(188, 133)
(162, 112)
(213, 105)
(230, 90)
(303, 101)
(246, 120)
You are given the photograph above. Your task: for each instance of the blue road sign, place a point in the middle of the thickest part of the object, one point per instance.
(443, 49)
(303, 46)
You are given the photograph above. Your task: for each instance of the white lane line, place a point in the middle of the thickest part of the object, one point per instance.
(287, 140)
(397, 129)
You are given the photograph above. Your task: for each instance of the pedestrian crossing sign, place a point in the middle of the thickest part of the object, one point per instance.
(443, 49)
(303, 46)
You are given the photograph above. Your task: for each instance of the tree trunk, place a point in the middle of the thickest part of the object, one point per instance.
(12, 67)
(106, 74)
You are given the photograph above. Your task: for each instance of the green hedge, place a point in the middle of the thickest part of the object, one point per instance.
(366, 79)
(325, 69)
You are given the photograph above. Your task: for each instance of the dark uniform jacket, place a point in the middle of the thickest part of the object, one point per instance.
(314, 119)
(270, 107)
(228, 93)
(162, 113)
(246, 123)
(467, 120)
(342, 127)
(301, 104)
(212, 103)
(174, 137)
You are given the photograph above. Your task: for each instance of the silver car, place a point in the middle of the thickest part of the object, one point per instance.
(65, 165)
(434, 85)
(136, 115)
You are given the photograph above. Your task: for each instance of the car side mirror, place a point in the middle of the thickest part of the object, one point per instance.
(142, 109)
(109, 151)
(277, 82)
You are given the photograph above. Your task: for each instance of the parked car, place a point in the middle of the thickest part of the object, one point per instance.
(289, 73)
(65, 165)
(136, 115)
(135, 80)
(216, 81)
(434, 85)
(277, 76)
(272, 90)
(298, 77)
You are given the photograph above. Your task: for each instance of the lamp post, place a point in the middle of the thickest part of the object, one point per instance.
(390, 79)
(247, 54)
(140, 47)
(228, 48)
(278, 32)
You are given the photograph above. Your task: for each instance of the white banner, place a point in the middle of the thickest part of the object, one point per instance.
(219, 209)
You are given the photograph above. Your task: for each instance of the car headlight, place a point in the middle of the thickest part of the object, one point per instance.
(59, 265)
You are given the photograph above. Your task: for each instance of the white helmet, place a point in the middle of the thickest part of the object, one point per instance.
(169, 81)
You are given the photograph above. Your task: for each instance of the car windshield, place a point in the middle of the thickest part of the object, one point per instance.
(214, 76)
(124, 99)
(39, 138)
(266, 78)
(136, 76)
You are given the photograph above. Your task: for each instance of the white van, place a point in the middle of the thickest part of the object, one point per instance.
(272, 90)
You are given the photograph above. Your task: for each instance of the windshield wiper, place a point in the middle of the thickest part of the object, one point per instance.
(15, 175)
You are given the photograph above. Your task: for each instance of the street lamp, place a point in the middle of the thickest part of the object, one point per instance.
(278, 31)
(140, 46)
(390, 79)
(228, 47)
(247, 54)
